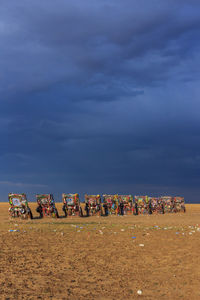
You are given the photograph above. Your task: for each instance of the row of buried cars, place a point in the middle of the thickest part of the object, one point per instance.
(95, 205)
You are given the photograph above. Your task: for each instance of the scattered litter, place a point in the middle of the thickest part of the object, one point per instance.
(190, 233)
(141, 245)
(133, 237)
(122, 230)
(16, 225)
(101, 232)
(139, 292)
(62, 233)
(78, 231)
(13, 230)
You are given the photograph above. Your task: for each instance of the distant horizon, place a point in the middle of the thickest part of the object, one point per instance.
(59, 200)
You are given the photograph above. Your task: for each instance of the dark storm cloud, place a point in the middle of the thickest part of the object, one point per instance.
(100, 96)
(76, 42)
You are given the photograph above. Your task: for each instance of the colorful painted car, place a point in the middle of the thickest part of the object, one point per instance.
(19, 206)
(110, 204)
(127, 201)
(179, 204)
(46, 206)
(93, 205)
(71, 205)
(141, 205)
(156, 205)
(168, 202)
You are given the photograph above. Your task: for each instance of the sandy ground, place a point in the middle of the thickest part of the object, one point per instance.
(101, 257)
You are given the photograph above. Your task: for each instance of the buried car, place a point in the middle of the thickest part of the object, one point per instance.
(46, 206)
(127, 202)
(179, 204)
(110, 204)
(93, 205)
(156, 205)
(19, 206)
(141, 205)
(168, 203)
(71, 205)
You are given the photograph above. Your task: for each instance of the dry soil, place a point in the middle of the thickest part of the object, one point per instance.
(100, 257)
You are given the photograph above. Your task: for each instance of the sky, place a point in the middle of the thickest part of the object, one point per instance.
(100, 97)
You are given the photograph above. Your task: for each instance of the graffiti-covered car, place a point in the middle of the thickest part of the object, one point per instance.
(71, 205)
(19, 206)
(46, 206)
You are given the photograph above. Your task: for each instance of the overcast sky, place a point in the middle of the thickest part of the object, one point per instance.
(100, 97)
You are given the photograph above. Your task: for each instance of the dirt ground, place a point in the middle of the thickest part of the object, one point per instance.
(100, 257)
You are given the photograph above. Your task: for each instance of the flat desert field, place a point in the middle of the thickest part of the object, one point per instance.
(101, 257)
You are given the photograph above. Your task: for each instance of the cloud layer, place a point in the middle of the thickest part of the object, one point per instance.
(99, 96)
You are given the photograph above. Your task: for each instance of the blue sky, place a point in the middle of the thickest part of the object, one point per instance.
(100, 97)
